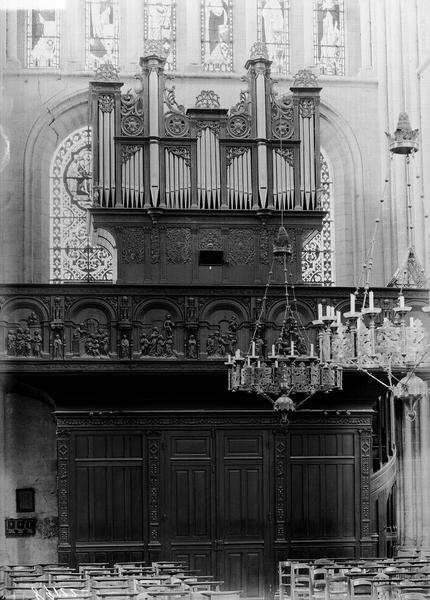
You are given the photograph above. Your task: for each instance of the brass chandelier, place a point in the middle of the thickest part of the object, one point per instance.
(292, 367)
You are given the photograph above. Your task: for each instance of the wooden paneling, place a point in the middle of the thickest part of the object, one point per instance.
(228, 501)
(323, 503)
(190, 502)
(108, 503)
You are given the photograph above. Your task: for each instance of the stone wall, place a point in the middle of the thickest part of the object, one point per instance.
(28, 460)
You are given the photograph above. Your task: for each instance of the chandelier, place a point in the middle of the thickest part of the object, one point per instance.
(292, 367)
(384, 349)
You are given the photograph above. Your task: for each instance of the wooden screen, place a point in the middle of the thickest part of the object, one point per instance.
(229, 500)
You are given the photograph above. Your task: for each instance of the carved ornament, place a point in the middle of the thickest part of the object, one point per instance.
(210, 239)
(305, 78)
(155, 48)
(127, 151)
(155, 246)
(259, 51)
(207, 99)
(106, 103)
(178, 245)
(133, 245)
(183, 152)
(107, 72)
(241, 247)
(131, 114)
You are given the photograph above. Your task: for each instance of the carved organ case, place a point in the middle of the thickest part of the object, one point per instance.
(170, 183)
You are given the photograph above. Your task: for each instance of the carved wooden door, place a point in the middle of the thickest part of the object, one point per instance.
(218, 505)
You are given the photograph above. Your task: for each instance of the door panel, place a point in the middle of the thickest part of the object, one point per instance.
(243, 569)
(323, 502)
(190, 502)
(189, 529)
(109, 501)
(243, 505)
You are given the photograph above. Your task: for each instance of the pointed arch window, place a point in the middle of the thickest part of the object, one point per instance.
(329, 36)
(43, 39)
(72, 256)
(217, 35)
(318, 253)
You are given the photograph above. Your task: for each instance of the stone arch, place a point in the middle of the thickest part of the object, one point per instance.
(341, 147)
(160, 305)
(31, 304)
(97, 304)
(224, 305)
(61, 117)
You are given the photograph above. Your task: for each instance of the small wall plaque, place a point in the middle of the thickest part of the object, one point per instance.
(20, 527)
(25, 500)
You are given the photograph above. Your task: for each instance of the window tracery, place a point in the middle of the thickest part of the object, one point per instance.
(329, 42)
(273, 30)
(318, 253)
(72, 257)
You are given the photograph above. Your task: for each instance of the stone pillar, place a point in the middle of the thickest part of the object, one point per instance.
(74, 41)
(365, 35)
(388, 239)
(3, 475)
(11, 37)
(413, 468)
(424, 525)
(308, 34)
(396, 104)
(407, 456)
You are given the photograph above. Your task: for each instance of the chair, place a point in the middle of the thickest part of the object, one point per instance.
(301, 581)
(319, 583)
(284, 577)
(361, 589)
(337, 587)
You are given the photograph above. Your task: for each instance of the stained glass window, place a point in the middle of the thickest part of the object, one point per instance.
(160, 25)
(217, 35)
(318, 253)
(72, 256)
(329, 45)
(273, 30)
(43, 39)
(101, 33)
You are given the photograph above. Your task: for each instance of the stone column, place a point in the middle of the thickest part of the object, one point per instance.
(11, 37)
(424, 474)
(413, 468)
(74, 35)
(365, 35)
(308, 34)
(3, 476)
(407, 505)
(396, 104)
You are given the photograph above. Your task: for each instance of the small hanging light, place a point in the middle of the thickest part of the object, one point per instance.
(411, 389)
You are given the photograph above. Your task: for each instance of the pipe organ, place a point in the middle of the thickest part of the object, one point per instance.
(150, 152)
